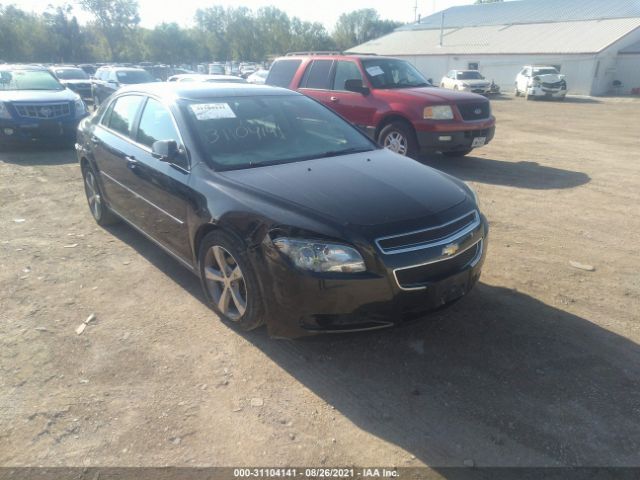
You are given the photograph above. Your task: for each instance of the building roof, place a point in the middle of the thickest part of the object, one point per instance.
(514, 27)
(528, 11)
(589, 36)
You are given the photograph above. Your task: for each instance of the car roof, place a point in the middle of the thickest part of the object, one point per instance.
(206, 76)
(197, 91)
(123, 69)
(335, 56)
(9, 66)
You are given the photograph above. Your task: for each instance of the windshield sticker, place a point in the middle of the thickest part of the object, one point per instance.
(375, 71)
(212, 111)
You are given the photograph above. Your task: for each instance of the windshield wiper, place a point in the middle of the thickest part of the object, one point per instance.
(345, 151)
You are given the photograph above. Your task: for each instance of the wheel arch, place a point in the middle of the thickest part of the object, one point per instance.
(391, 118)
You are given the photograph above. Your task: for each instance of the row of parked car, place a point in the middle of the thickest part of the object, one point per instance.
(533, 81)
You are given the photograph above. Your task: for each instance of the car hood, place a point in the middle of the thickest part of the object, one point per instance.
(78, 81)
(550, 77)
(363, 189)
(431, 95)
(474, 83)
(65, 95)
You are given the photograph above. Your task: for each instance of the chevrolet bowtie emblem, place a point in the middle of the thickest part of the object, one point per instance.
(450, 249)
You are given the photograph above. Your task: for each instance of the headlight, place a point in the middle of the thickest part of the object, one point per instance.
(318, 256)
(4, 113)
(80, 108)
(440, 112)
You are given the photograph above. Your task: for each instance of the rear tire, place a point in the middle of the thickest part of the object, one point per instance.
(399, 137)
(229, 282)
(457, 153)
(99, 210)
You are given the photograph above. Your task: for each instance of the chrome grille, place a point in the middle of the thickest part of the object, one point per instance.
(43, 111)
(417, 276)
(429, 237)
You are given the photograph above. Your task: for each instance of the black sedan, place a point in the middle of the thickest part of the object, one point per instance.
(289, 215)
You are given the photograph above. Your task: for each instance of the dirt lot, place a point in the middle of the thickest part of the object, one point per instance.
(540, 365)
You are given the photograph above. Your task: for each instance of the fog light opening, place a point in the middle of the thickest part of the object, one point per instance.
(8, 131)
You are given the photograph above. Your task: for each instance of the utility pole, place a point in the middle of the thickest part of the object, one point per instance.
(441, 28)
(415, 12)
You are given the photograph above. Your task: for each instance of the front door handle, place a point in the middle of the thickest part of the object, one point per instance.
(131, 161)
(333, 99)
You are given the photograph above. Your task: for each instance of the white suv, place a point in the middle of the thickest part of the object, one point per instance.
(466, 81)
(541, 81)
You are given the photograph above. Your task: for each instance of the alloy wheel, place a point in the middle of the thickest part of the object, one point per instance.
(396, 142)
(93, 194)
(225, 282)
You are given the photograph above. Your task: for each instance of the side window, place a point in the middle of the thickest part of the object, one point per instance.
(282, 73)
(345, 71)
(156, 124)
(124, 114)
(317, 75)
(107, 115)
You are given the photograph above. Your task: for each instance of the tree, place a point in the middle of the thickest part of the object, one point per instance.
(361, 26)
(117, 20)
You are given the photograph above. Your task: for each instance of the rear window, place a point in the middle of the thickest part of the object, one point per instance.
(124, 113)
(133, 76)
(317, 75)
(282, 72)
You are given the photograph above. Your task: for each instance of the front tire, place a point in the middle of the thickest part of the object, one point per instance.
(99, 210)
(399, 138)
(229, 282)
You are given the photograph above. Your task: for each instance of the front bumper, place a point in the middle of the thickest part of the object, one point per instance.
(301, 304)
(21, 132)
(546, 92)
(444, 141)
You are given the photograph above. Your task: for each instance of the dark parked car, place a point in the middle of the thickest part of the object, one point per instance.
(390, 100)
(35, 106)
(289, 215)
(75, 79)
(109, 79)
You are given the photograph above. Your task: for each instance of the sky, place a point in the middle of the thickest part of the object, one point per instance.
(154, 12)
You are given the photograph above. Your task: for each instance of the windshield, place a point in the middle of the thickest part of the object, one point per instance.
(391, 73)
(469, 76)
(28, 80)
(134, 76)
(71, 74)
(244, 132)
(545, 71)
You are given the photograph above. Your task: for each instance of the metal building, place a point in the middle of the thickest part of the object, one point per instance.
(595, 43)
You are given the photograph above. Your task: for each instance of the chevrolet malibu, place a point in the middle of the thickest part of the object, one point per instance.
(289, 215)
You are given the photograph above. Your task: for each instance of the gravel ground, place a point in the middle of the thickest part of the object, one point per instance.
(539, 365)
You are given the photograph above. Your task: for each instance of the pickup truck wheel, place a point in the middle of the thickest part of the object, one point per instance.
(400, 138)
(457, 153)
(229, 282)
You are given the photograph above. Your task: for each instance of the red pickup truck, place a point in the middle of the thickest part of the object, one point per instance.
(391, 101)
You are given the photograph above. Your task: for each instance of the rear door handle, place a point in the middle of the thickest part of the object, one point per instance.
(333, 99)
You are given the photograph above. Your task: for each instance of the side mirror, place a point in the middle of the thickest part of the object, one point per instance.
(165, 150)
(355, 85)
